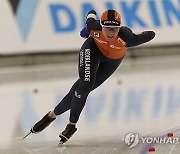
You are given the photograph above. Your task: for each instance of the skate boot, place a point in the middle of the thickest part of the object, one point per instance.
(42, 124)
(67, 133)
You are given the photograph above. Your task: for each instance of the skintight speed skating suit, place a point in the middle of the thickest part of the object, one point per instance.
(98, 60)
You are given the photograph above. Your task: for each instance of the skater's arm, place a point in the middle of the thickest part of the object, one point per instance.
(84, 33)
(135, 39)
(90, 20)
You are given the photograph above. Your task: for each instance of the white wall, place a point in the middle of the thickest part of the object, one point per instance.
(52, 25)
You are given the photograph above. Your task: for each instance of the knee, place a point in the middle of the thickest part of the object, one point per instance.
(86, 86)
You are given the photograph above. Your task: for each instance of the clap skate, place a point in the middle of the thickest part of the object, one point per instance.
(41, 125)
(67, 133)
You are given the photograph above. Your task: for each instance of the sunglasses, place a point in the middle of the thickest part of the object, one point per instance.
(111, 28)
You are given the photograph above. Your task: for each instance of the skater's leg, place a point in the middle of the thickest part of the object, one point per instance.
(88, 65)
(63, 106)
(78, 102)
(105, 70)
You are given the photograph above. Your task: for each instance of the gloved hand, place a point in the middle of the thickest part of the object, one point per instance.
(84, 33)
(92, 12)
(150, 33)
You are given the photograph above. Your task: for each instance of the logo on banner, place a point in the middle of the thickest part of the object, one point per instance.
(24, 11)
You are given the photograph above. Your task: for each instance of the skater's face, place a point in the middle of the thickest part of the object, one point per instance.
(110, 32)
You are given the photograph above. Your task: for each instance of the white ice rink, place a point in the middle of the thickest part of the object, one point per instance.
(100, 145)
(29, 92)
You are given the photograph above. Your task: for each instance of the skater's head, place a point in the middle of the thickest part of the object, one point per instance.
(111, 23)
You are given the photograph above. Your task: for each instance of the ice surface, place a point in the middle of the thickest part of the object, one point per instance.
(89, 146)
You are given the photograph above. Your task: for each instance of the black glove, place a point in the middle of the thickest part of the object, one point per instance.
(150, 33)
(92, 12)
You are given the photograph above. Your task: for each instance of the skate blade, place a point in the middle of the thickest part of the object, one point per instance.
(26, 135)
